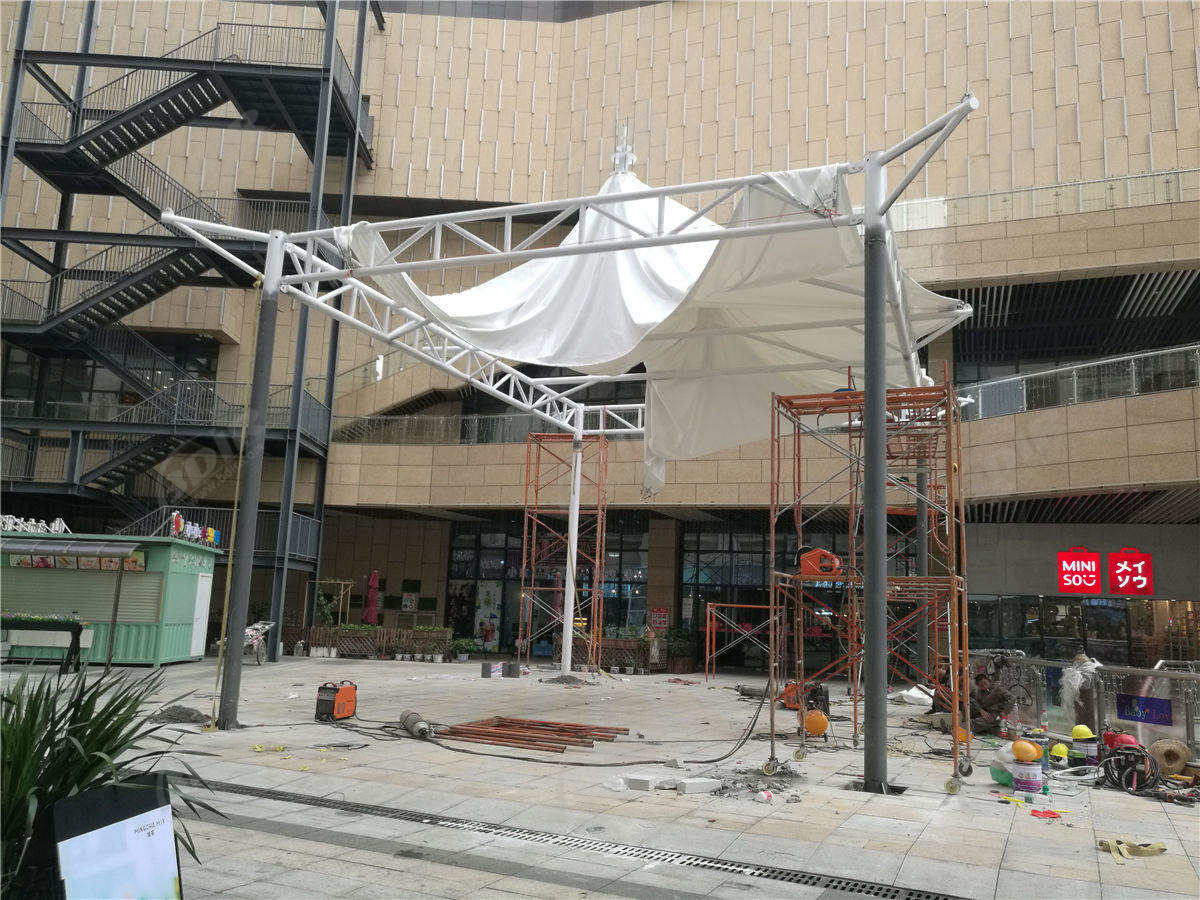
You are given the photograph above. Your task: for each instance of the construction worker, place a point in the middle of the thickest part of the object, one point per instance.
(989, 704)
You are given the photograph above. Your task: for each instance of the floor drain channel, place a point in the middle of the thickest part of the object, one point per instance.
(691, 860)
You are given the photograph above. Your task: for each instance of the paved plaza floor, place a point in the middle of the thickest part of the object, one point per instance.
(965, 845)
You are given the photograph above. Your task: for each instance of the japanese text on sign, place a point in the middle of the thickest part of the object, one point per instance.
(1130, 572)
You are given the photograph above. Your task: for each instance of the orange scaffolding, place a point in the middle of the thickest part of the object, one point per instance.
(817, 467)
(713, 616)
(544, 542)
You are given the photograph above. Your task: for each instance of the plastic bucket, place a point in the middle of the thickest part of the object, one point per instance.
(1089, 749)
(1027, 777)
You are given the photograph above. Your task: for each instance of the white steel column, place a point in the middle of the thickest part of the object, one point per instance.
(568, 626)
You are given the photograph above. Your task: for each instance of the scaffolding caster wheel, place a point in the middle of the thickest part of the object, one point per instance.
(953, 783)
(798, 754)
(965, 768)
(770, 767)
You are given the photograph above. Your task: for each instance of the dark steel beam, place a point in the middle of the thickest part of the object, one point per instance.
(42, 77)
(12, 101)
(76, 236)
(29, 254)
(287, 494)
(377, 12)
(169, 64)
(346, 213)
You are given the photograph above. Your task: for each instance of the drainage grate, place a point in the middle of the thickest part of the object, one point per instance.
(691, 860)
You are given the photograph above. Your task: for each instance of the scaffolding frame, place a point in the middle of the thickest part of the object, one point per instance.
(712, 615)
(926, 613)
(554, 463)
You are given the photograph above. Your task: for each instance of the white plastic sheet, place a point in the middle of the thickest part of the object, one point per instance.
(718, 325)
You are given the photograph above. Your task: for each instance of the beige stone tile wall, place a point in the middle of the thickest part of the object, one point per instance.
(491, 110)
(1126, 442)
(1107, 242)
(1137, 441)
(399, 549)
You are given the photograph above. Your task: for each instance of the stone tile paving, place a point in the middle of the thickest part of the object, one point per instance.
(968, 845)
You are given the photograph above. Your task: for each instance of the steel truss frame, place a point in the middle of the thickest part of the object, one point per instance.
(387, 321)
(926, 625)
(552, 475)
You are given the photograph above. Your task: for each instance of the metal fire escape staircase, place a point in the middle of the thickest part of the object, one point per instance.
(271, 76)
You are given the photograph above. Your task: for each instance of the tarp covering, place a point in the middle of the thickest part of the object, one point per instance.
(719, 325)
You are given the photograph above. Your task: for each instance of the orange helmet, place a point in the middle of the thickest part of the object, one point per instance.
(816, 722)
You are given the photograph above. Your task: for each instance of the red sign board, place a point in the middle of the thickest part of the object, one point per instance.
(1130, 572)
(1078, 571)
(658, 617)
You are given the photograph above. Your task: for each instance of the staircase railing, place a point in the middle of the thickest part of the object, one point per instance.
(256, 44)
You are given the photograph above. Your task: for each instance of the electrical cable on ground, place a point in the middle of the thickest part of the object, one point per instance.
(392, 731)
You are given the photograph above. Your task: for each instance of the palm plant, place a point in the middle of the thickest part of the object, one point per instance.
(67, 734)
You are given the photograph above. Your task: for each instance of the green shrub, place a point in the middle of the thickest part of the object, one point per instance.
(67, 734)
(681, 641)
(463, 645)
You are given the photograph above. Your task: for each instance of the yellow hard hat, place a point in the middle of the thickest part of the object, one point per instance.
(1059, 750)
(1081, 733)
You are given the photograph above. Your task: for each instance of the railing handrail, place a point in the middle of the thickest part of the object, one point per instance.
(1108, 360)
(1060, 184)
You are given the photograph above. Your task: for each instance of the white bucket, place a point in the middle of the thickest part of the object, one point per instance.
(1027, 777)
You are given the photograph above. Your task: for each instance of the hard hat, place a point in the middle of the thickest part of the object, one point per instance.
(1125, 740)
(1081, 733)
(1025, 751)
(816, 722)
(1059, 750)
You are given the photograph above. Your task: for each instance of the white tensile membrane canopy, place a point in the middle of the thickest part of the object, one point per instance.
(719, 325)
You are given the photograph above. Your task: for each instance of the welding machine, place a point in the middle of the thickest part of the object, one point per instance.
(336, 701)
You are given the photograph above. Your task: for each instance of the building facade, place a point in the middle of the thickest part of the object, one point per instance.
(1066, 211)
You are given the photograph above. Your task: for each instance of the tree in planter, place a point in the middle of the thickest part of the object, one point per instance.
(62, 736)
(681, 648)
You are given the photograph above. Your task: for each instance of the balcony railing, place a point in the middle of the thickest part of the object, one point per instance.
(1118, 192)
(510, 428)
(305, 529)
(191, 402)
(1119, 376)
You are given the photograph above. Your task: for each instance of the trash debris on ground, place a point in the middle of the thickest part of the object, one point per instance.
(681, 681)
(764, 796)
(571, 680)
(917, 695)
(1123, 849)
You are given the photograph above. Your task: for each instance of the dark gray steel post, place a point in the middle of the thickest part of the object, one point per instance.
(287, 494)
(923, 565)
(346, 212)
(112, 622)
(66, 201)
(875, 489)
(12, 103)
(252, 464)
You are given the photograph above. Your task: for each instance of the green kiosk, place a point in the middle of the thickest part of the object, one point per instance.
(150, 594)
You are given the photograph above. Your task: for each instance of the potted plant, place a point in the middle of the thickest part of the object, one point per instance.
(461, 648)
(322, 637)
(681, 649)
(65, 735)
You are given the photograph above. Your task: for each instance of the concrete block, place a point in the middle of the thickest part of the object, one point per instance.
(640, 782)
(667, 784)
(698, 785)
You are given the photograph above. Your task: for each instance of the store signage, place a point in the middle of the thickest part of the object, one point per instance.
(1078, 571)
(33, 526)
(659, 615)
(1151, 710)
(193, 531)
(1130, 572)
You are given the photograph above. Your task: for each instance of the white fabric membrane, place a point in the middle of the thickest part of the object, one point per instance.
(684, 310)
